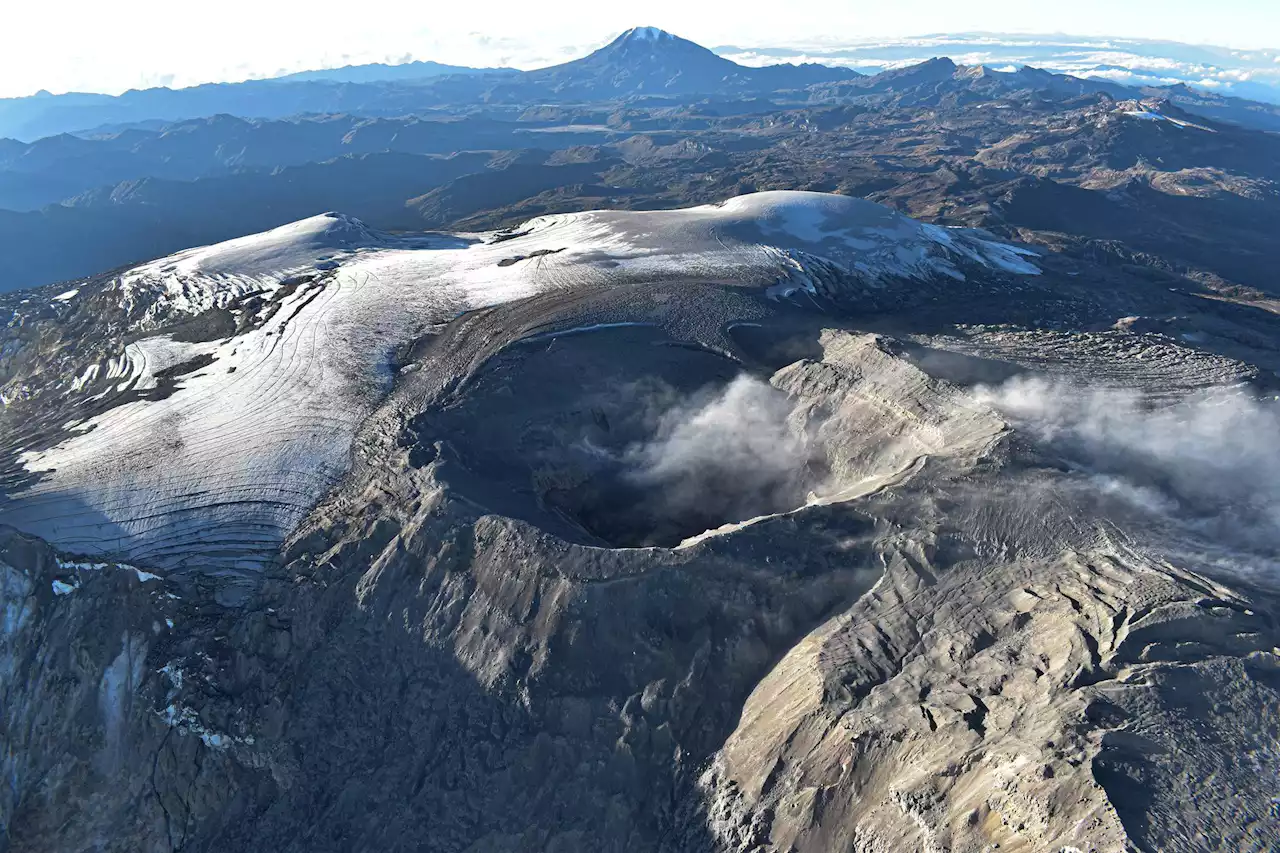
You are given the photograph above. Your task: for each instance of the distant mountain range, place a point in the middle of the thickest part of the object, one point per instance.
(1244, 73)
(649, 119)
(380, 72)
(641, 62)
(60, 168)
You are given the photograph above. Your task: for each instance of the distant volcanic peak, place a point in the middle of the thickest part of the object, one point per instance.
(938, 68)
(641, 59)
(652, 41)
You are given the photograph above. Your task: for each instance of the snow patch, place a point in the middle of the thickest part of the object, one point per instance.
(646, 34)
(78, 566)
(187, 722)
(1145, 114)
(173, 673)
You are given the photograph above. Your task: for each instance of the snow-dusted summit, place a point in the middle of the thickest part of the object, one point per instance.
(643, 34)
(207, 277)
(257, 425)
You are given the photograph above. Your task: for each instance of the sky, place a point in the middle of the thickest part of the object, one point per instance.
(91, 45)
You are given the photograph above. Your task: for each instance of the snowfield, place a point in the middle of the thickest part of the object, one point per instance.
(1143, 113)
(207, 277)
(213, 476)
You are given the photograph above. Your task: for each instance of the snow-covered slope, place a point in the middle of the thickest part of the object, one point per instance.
(213, 276)
(258, 425)
(1153, 113)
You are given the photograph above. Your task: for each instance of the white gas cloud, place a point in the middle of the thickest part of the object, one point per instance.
(1207, 460)
(731, 454)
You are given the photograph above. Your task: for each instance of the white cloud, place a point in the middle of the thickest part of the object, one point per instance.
(1206, 462)
(1251, 73)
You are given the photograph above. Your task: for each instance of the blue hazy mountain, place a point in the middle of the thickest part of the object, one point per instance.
(379, 72)
(641, 61)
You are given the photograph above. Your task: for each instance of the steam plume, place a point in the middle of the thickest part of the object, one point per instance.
(730, 455)
(1211, 460)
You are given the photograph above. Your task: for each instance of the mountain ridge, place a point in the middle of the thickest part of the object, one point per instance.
(375, 72)
(598, 76)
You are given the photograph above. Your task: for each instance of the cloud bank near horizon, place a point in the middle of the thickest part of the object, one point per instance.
(1245, 73)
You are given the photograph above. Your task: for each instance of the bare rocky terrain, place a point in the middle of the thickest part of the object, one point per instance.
(785, 522)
